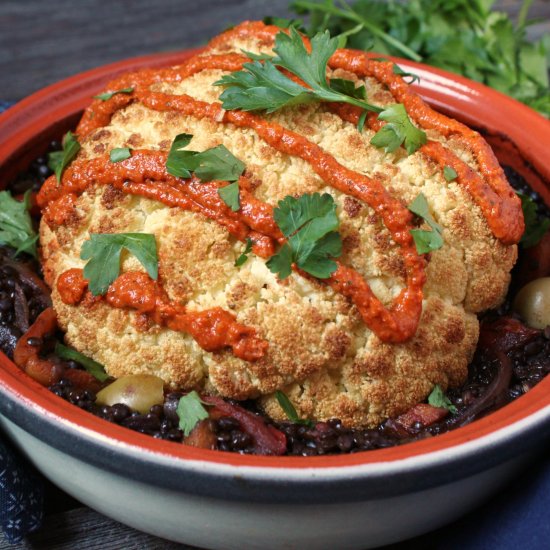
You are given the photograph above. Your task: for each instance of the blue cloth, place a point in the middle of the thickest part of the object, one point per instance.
(21, 496)
(21, 487)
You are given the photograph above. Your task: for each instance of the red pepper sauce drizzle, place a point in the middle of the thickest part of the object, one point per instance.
(497, 200)
(213, 329)
(396, 324)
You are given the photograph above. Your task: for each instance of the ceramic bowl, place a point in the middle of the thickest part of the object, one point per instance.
(221, 500)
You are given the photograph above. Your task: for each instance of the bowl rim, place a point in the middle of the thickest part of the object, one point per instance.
(460, 452)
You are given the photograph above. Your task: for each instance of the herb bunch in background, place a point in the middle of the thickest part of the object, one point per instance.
(462, 36)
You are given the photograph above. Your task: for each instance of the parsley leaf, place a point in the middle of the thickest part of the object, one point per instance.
(217, 163)
(120, 153)
(535, 227)
(399, 71)
(308, 223)
(449, 173)
(438, 399)
(96, 369)
(230, 195)
(348, 87)
(289, 409)
(59, 160)
(244, 256)
(108, 95)
(425, 241)
(16, 228)
(398, 130)
(103, 252)
(465, 37)
(261, 86)
(190, 412)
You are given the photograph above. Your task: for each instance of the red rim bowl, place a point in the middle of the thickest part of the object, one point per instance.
(519, 136)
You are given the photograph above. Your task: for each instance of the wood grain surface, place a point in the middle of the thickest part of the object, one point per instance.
(42, 42)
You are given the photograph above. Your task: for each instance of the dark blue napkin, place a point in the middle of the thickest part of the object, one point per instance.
(21, 487)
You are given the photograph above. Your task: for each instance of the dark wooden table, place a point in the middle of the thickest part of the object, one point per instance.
(43, 42)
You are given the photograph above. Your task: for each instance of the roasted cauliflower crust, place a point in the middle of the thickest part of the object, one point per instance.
(320, 352)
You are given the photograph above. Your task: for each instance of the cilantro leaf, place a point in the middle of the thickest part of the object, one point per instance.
(59, 160)
(120, 153)
(289, 409)
(244, 256)
(103, 252)
(16, 228)
(217, 163)
(398, 130)
(108, 95)
(96, 369)
(230, 195)
(308, 223)
(425, 241)
(535, 227)
(449, 173)
(438, 399)
(190, 412)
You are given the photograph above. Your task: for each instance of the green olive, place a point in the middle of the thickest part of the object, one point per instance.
(533, 303)
(139, 391)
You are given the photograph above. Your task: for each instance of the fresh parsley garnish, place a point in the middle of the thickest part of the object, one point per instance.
(399, 71)
(261, 86)
(120, 153)
(535, 226)
(190, 412)
(108, 95)
(16, 228)
(425, 241)
(103, 252)
(464, 37)
(438, 399)
(289, 409)
(97, 370)
(449, 173)
(309, 224)
(59, 160)
(398, 131)
(244, 256)
(230, 195)
(217, 163)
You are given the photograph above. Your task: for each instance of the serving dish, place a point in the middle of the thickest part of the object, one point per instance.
(217, 500)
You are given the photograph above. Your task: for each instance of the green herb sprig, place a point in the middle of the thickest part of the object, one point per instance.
(438, 399)
(425, 241)
(16, 227)
(217, 163)
(261, 86)
(290, 411)
(309, 223)
(108, 95)
(97, 370)
(190, 412)
(241, 260)
(103, 251)
(120, 153)
(59, 160)
(461, 36)
(535, 226)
